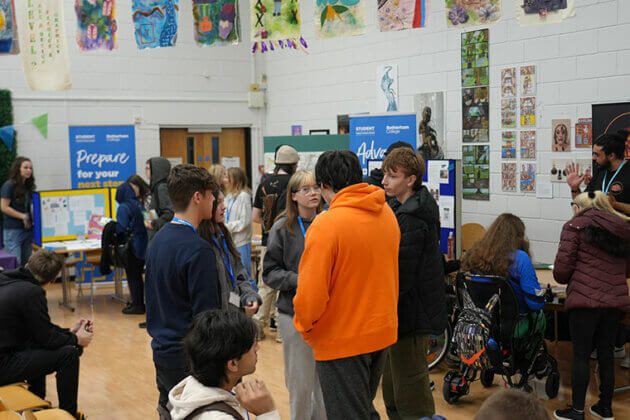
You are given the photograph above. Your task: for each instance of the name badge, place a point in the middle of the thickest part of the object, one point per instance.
(235, 299)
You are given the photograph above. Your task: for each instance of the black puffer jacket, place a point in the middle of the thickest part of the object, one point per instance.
(422, 301)
(160, 200)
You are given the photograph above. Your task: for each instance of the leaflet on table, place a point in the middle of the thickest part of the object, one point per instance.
(447, 211)
(80, 245)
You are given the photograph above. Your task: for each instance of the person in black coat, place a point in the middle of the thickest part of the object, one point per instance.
(422, 299)
(31, 346)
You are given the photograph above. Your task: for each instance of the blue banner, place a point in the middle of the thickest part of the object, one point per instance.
(102, 156)
(370, 136)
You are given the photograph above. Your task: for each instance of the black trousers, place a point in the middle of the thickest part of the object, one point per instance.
(166, 379)
(134, 280)
(590, 327)
(34, 364)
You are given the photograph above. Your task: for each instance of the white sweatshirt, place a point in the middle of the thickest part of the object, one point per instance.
(239, 223)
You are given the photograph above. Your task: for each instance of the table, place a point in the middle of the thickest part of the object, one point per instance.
(8, 261)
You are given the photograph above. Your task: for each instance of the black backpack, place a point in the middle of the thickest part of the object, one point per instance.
(274, 200)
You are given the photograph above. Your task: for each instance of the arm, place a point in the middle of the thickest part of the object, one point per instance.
(45, 334)
(242, 217)
(532, 292)
(257, 215)
(165, 210)
(247, 292)
(123, 218)
(275, 275)
(203, 282)
(620, 207)
(257, 207)
(566, 257)
(10, 211)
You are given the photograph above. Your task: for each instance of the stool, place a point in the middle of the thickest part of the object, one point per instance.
(17, 397)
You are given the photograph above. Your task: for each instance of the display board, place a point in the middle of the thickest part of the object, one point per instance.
(62, 215)
(309, 148)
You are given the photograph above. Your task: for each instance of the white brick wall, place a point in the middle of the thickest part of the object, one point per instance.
(580, 61)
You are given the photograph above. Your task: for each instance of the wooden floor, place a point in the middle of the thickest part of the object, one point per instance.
(117, 379)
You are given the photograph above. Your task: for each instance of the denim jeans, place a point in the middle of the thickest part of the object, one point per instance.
(246, 259)
(18, 242)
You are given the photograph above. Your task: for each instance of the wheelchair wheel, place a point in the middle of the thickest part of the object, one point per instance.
(438, 347)
(486, 377)
(552, 384)
(453, 387)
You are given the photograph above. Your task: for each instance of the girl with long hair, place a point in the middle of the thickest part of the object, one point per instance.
(592, 260)
(15, 204)
(142, 190)
(219, 173)
(280, 272)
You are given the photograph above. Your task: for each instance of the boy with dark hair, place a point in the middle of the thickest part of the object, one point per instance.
(31, 346)
(221, 349)
(181, 274)
(512, 404)
(345, 306)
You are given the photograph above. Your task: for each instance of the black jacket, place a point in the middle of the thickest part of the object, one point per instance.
(422, 301)
(108, 239)
(24, 319)
(375, 178)
(160, 200)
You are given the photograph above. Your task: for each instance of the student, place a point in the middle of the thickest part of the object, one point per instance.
(130, 222)
(268, 204)
(239, 216)
(31, 346)
(593, 260)
(236, 289)
(376, 175)
(346, 300)
(512, 404)
(421, 301)
(220, 174)
(280, 272)
(221, 349)
(181, 275)
(157, 170)
(15, 204)
(142, 190)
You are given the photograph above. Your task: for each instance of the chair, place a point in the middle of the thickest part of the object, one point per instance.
(9, 415)
(17, 397)
(471, 233)
(50, 414)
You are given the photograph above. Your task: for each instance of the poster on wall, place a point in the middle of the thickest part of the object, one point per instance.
(475, 58)
(528, 145)
(432, 124)
(528, 112)
(475, 113)
(216, 22)
(476, 172)
(584, 133)
(387, 88)
(101, 156)
(155, 22)
(561, 135)
(370, 136)
(611, 118)
(508, 112)
(45, 56)
(396, 15)
(508, 82)
(508, 177)
(472, 12)
(528, 81)
(335, 18)
(528, 177)
(275, 22)
(96, 20)
(536, 12)
(558, 171)
(508, 146)
(9, 43)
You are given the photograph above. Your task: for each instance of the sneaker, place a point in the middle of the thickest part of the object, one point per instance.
(568, 413)
(620, 352)
(272, 325)
(134, 310)
(80, 416)
(625, 363)
(602, 412)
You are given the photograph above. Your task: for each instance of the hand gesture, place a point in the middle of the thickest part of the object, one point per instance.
(613, 200)
(255, 397)
(251, 308)
(85, 334)
(80, 323)
(574, 177)
(26, 221)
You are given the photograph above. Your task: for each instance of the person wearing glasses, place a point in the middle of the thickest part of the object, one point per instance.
(280, 272)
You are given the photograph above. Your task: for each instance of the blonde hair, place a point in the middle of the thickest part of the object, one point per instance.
(596, 200)
(216, 170)
(297, 181)
(238, 180)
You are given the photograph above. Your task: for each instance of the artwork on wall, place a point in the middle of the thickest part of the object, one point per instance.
(584, 133)
(155, 22)
(561, 135)
(508, 177)
(508, 82)
(396, 15)
(534, 12)
(216, 22)
(611, 118)
(476, 172)
(528, 112)
(97, 25)
(387, 88)
(8, 28)
(528, 81)
(475, 58)
(45, 56)
(558, 171)
(528, 177)
(432, 124)
(508, 147)
(528, 145)
(335, 18)
(275, 24)
(508, 112)
(472, 12)
(475, 113)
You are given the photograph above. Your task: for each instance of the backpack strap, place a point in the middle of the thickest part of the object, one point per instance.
(220, 406)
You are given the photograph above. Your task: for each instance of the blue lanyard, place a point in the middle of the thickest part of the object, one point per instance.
(605, 187)
(226, 259)
(229, 209)
(239, 381)
(302, 227)
(184, 222)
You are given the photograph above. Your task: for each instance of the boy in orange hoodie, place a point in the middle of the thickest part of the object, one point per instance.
(347, 294)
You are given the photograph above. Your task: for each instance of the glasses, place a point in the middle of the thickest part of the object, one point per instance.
(305, 190)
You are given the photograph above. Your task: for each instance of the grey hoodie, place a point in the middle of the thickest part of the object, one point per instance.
(160, 201)
(282, 261)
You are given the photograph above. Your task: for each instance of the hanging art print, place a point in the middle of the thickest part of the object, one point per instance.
(528, 145)
(96, 24)
(387, 88)
(528, 80)
(508, 148)
(472, 12)
(8, 28)
(508, 82)
(584, 133)
(508, 177)
(155, 22)
(475, 58)
(535, 12)
(334, 18)
(476, 172)
(216, 22)
(508, 113)
(45, 56)
(528, 177)
(396, 15)
(275, 24)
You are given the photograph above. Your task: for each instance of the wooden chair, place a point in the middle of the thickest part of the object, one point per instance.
(50, 414)
(9, 415)
(17, 397)
(471, 233)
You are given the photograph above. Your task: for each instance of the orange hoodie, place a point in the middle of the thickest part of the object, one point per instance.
(347, 295)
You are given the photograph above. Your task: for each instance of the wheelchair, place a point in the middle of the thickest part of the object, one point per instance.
(498, 351)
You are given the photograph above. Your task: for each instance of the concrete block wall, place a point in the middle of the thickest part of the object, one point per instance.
(580, 61)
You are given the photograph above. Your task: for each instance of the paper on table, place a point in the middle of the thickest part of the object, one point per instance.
(447, 212)
(544, 190)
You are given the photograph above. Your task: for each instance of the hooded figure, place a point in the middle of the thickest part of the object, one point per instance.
(160, 201)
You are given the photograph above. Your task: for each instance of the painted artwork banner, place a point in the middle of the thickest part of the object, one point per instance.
(475, 58)
(155, 22)
(475, 113)
(536, 12)
(45, 57)
(336, 18)
(101, 156)
(472, 12)
(275, 24)
(9, 43)
(216, 22)
(476, 172)
(387, 88)
(397, 15)
(97, 25)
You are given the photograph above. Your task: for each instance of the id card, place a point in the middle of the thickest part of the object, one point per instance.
(235, 299)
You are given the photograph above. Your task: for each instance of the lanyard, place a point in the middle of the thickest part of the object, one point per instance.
(239, 381)
(302, 226)
(605, 187)
(226, 258)
(229, 209)
(184, 222)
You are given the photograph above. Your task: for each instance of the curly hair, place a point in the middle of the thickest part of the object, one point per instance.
(21, 187)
